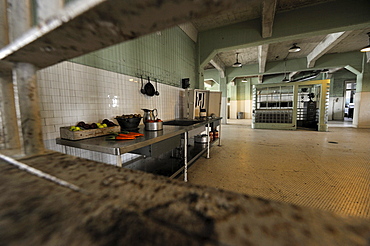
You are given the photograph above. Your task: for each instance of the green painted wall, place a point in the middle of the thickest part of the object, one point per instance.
(243, 89)
(168, 56)
(337, 82)
(364, 86)
(231, 91)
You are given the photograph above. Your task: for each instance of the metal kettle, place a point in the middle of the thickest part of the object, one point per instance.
(150, 114)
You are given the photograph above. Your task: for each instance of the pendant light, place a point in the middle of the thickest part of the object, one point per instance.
(366, 48)
(285, 79)
(237, 63)
(294, 48)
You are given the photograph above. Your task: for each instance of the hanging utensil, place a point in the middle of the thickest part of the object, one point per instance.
(142, 85)
(149, 88)
(156, 88)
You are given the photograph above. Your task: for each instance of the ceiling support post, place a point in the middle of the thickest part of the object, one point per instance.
(8, 112)
(7, 99)
(29, 108)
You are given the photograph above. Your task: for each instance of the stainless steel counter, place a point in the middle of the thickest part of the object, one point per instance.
(119, 147)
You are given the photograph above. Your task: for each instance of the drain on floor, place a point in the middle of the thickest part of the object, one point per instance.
(333, 142)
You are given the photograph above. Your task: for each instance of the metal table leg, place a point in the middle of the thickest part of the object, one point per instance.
(208, 143)
(186, 156)
(119, 161)
(219, 135)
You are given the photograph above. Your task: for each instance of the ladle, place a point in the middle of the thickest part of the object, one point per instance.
(156, 88)
(142, 85)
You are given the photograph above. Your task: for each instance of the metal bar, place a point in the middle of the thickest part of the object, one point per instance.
(118, 161)
(41, 174)
(47, 9)
(29, 108)
(177, 172)
(207, 131)
(186, 156)
(219, 135)
(19, 18)
(189, 163)
(8, 110)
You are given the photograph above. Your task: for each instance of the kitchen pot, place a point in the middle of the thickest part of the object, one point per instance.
(200, 138)
(154, 126)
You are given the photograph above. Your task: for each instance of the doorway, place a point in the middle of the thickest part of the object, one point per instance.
(349, 102)
(308, 102)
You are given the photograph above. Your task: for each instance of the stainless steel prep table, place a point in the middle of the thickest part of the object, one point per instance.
(116, 147)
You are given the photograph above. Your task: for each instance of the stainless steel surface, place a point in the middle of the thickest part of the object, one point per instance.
(100, 144)
(118, 147)
(159, 148)
(149, 114)
(153, 143)
(154, 126)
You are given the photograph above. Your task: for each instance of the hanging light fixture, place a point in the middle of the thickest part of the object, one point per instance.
(285, 79)
(366, 48)
(237, 63)
(244, 80)
(294, 48)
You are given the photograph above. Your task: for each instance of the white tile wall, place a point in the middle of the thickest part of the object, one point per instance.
(71, 92)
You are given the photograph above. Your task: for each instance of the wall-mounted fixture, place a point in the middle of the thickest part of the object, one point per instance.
(185, 83)
(237, 63)
(294, 48)
(366, 48)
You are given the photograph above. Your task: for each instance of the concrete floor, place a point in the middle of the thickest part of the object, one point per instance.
(324, 170)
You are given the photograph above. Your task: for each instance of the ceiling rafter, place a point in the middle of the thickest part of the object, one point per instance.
(292, 74)
(260, 79)
(219, 65)
(262, 59)
(324, 46)
(268, 15)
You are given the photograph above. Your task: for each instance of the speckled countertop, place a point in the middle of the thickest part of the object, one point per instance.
(121, 207)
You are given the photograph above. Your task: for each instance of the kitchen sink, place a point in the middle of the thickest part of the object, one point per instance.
(181, 122)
